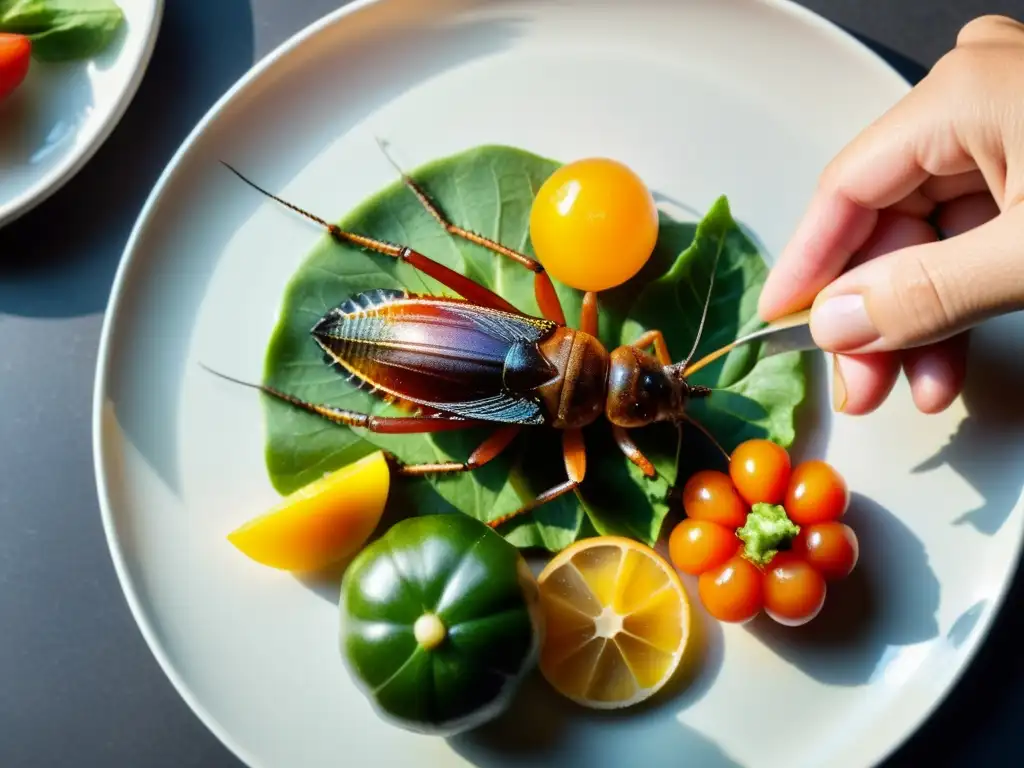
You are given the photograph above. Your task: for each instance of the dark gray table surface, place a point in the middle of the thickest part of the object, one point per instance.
(78, 686)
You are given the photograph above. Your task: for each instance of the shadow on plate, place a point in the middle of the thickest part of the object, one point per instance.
(985, 702)
(33, 131)
(890, 600)
(987, 450)
(542, 726)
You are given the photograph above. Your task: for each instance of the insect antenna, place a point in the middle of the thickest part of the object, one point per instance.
(276, 393)
(345, 417)
(332, 228)
(339, 234)
(704, 312)
(682, 368)
(707, 433)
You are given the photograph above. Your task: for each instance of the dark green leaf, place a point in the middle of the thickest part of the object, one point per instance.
(490, 190)
(62, 30)
(754, 396)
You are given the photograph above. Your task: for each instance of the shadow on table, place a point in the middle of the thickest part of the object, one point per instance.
(58, 260)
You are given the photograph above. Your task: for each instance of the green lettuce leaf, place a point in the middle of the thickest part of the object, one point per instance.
(490, 190)
(62, 30)
(754, 396)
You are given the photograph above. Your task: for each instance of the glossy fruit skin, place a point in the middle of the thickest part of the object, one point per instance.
(696, 546)
(732, 592)
(481, 589)
(817, 493)
(710, 495)
(323, 522)
(794, 592)
(593, 224)
(786, 575)
(760, 470)
(15, 56)
(831, 548)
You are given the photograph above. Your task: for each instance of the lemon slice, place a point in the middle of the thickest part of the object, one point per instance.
(617, 622)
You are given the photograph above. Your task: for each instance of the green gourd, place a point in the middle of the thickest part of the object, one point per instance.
(440, 622)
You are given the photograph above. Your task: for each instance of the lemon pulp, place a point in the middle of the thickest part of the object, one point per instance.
(617, 622)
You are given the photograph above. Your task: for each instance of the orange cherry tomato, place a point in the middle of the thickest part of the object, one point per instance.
(698, 545)
(794, 592)
(733, 591)
(760, 471)
(830, 548)
(710, 495)
(817, 493)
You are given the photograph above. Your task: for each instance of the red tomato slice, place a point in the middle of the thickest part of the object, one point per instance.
(15, 55)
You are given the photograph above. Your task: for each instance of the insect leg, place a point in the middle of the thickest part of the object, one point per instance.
(488, 450)
(462, 285)
(543, 288)
(588, 313)
(657, 339)
(345, 417)
(629, 448)
(575, 453)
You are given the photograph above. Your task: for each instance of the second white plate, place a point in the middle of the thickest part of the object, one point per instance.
(57, 119)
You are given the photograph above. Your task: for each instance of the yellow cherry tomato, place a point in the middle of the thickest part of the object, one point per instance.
(593, 224)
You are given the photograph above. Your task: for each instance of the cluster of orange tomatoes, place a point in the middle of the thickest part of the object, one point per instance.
(765, 536)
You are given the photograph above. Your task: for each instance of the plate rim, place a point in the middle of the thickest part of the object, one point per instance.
(129, 256)
(64, 172)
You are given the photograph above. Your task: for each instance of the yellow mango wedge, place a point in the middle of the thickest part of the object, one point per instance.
(320, 523)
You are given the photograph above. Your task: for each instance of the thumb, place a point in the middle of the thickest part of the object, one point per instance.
(924, 293)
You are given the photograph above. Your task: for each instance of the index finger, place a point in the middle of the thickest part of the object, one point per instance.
(884, 164)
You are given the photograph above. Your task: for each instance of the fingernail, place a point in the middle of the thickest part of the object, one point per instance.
(838, 386)
(842, 323)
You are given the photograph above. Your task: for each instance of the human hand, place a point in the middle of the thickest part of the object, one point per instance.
(886, 291)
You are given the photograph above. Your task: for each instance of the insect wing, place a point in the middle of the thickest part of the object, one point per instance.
(444, 354)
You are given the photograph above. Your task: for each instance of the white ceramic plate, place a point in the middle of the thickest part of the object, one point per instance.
(63, 112)
(746, 97)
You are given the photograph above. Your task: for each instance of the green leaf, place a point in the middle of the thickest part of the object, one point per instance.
(62, 30)
(616, 496)
(754, 396)
(490, 190)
